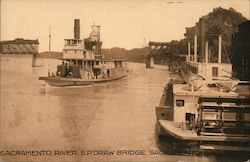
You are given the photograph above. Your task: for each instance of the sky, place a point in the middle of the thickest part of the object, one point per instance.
(124, 23)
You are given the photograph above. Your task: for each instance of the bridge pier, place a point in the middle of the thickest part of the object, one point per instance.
(157, 48)
(150, 62)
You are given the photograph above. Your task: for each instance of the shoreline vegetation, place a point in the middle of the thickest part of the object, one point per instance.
(133, 55)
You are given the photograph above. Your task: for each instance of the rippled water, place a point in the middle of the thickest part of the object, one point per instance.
(112, 116)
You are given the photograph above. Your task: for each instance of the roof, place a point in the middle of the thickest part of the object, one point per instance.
(111, 60)
(82, 59)
(209, 63)
(116, 59)
(73, 39)
(71, 58)
(185, 90)
(20, 41)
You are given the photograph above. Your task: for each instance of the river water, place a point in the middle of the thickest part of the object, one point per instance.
(84, 123)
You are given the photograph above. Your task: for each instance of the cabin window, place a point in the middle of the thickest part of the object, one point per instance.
(65, 51)
(190, 121)
(118, 64)
(74, 41)
(75, 51)
(108, 73)
(179, 103)
(215, 71)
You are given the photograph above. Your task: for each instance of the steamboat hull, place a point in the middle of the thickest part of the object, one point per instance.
(173, 129)
(229, 130)
(63, 82)
(110, 79)
(207, 143)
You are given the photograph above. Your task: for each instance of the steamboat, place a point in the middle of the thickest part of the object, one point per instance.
(83, 62)
(207, 106)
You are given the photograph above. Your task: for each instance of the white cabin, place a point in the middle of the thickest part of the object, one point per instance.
(204, 79)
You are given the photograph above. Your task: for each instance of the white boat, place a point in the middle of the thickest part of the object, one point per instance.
(209, 108)
(84, 64)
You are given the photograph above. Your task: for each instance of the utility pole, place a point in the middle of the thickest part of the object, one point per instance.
(49, 37)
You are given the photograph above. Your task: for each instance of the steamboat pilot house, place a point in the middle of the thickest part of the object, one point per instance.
(84, 54)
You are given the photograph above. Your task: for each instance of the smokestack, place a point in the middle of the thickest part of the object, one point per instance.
(202, 38)
(206, 52)
(219, 50)
(195, 48)
(77, 29)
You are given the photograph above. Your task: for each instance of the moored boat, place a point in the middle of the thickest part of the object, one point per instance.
(208, 106)
(83, 63)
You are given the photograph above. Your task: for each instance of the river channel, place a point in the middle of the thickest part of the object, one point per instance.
(112, 121)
